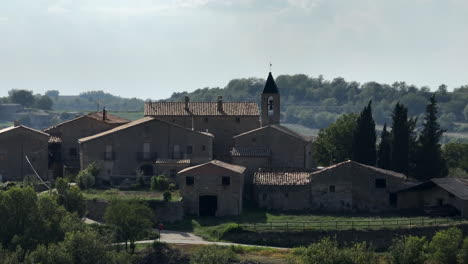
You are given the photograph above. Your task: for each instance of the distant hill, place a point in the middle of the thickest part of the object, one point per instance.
(315, 102)
(96, 100)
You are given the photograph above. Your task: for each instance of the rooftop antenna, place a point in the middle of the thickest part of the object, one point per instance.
(270, 66)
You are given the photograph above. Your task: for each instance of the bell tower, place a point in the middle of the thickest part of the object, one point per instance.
(270, 103)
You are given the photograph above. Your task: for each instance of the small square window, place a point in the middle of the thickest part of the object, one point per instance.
(237, 119)
(380, 183)
(205, 119)
(331, 188)
(189, 180)
(189, 149)
(226, 180)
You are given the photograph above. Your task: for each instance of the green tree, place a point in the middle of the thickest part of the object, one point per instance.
(44, 102)
(430, 162)
(445, 245)
(465, 112)
(160, 183)
(70, 197)
(408, 250)
(129, 219)
(85, 179)
(383, 160)
(334, 143)
(456, 155)
(400, 139)
(22, 97)
(364, 138)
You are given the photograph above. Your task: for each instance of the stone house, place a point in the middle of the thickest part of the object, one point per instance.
(438, 195)
(222, 119)
(18, 142)
(149, 145)
(272, 146)
(212, 189)
(346, 186)
(64, 146)
(282, 190)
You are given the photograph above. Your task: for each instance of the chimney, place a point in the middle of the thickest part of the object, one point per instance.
(104, 114)
(16, 123)
(220, 103)
(187, 100)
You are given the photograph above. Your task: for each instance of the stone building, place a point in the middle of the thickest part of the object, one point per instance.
(272, 146)
(149, 145)
(64, 146)
(439, 196)
(346, 186)
(222, 119)
(212, 189)
(17, 143)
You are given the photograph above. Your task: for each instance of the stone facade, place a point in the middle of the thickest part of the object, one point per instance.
(136, 146)
(16, 142)
(273, 146)
(213, 188)
(66, 135)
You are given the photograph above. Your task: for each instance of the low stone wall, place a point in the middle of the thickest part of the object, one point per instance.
(163, 211)
(380, 239)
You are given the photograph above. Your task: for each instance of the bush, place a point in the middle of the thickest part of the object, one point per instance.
(463, 254)
(159, 183)
(212, 254)
(167, 196)
(361, 253)
(172, 187)
(445, 245)
(326, 251)
(85, 179)
(408, 250)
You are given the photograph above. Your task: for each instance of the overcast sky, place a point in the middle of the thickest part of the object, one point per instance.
(149, 49)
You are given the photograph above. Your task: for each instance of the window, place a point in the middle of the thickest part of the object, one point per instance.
(108, 154)
(237, 119)
(226, 180)
(380, 183)
(270, 106)
(189, 149)
(205, 119)
(331, 188)
(72, 152)
(189, 180)
(203, 147)
(146, 151)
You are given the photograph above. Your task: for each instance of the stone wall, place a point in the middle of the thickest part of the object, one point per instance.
(166, 212)
(379, 239)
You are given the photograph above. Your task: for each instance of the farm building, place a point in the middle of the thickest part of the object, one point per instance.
(17, 145)
(212, 189)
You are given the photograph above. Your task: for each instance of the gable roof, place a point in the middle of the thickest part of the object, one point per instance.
(201, 109)
(110, 119)
(455, 186)
(354, 165)
(280, 128)
(217, 163)
(136, 123)
(13, 128)
(281, 178)
(270, 85)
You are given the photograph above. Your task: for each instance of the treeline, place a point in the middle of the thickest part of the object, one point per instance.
(400, 148)
(28, 100)
(315, 102)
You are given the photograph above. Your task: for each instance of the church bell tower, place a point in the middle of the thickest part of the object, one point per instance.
(270, 103)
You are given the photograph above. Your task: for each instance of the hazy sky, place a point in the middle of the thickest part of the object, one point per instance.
(149, 49)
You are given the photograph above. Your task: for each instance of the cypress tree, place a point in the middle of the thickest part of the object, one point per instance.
(399, 159)
(364, 138)
(383, 159)
(430, 163)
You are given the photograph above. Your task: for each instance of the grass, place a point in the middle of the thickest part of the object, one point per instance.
(213, 228)
(145, 195)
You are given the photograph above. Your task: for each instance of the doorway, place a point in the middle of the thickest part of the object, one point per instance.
(147, 170)
(208, 205)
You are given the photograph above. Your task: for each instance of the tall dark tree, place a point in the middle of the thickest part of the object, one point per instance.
(22, 97)
(383, 158)
(364, 138)
(399, 160)
(430, 162)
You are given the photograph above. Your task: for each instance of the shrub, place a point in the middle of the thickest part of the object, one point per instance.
(172, 187)
(159, 183)
(361, 253)
(463, 254)
(167, 196)
(445, 245)
(408, 250)
(326, 251)
(212, 254)
(85, 179)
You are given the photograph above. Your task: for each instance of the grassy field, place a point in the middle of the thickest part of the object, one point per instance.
(115, 193)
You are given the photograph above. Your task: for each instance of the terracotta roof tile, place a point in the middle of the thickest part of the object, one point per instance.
(281, 178)
(12, 128)
(173, 161)
(110, 119)
(250, 152)
(201, 109)
(55, 139)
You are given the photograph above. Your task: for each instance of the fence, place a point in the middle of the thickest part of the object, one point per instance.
(350, 224)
